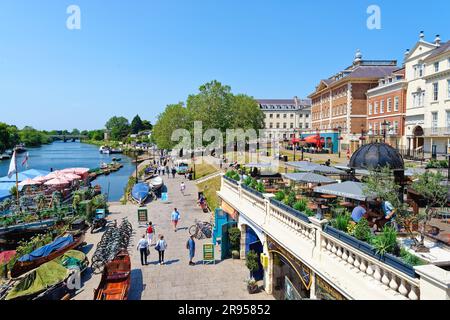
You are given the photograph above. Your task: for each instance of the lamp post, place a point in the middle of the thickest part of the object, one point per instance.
(136, 154)
(363, 135)
(339, 140)
(294, 142)
(385, 124)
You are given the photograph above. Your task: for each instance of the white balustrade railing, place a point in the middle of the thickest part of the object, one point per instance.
(359, 262)
(294, 224)
(255, 200)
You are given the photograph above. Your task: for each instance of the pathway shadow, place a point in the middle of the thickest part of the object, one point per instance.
(181, 229)
(87, 248)
(170, 262)
(137, 285)
(87, 275)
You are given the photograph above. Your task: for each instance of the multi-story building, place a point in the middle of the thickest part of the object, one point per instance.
(284, 117)
(386, 107)
(428, 96)
(339, 103)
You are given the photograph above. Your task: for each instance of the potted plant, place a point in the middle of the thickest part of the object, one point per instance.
(253, 266)
(235, 241)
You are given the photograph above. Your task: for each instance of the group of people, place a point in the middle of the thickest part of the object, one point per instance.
(378, 213)
(161, 246)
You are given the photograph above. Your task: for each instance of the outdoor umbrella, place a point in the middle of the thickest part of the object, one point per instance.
(348, 189)
(29, 182)
(302, 165)
(57, 182)
(70, 176)
(308, 177)
(41, 179)
(327, 170)
(53, 175)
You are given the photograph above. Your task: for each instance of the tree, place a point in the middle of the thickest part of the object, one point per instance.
(174, 116)
(246, 113)
(119, 127)
(146, 125)
(32, 137)
(429, 185)
(75, 132)
(9, 136)
(136, 125)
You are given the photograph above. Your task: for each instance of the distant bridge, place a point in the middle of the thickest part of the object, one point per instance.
(68, 137)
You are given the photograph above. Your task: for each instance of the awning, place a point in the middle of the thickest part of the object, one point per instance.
(314, 167)
(348, 189)
(229, 210)
(308, 177)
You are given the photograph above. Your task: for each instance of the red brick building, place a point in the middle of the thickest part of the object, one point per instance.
(339, 103)
(386, 109)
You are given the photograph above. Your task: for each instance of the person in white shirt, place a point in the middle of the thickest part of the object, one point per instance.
(142, 247)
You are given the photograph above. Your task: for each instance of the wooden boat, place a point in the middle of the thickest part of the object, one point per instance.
(140, 192)
(47, 253)
(157, 183)
(116, 279)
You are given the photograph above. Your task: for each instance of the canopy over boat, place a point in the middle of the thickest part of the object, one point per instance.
(48, 249)
(140, 192)
(39, 280)
(348, 189)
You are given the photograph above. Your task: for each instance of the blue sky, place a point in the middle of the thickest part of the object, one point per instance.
(137, 56)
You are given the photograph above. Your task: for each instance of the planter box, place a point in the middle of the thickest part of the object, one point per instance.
(252, 191)
(231, 180)
(290, 210)
(368, 249)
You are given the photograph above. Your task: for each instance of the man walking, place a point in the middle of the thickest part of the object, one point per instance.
(190, 245)
(175, 219)
(142, 247)
(174, 172)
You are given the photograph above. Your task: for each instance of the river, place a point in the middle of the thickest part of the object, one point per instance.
(60, 155)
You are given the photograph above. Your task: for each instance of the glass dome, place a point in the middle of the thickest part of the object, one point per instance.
(375, 156)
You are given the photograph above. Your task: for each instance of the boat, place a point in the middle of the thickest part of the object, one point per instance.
(104, 150)
(116, 279)
(48, 281)
(115, 151)
(116, 159)
(46, 253)
(20, 148)
(5, 156)
(157, 182)
(140, 192)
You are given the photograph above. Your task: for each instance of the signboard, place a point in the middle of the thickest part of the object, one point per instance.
(164, 197)
(208, 254)
(142, 215)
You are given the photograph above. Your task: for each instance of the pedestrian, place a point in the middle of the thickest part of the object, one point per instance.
(174, 172)
(161, 247)
(182, 187)
(163, 170)
(150, 233)
(190, 245)
(142, 247)
(168, 171)
(175, 217)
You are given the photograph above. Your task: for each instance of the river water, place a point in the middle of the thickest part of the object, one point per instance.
(60, 155)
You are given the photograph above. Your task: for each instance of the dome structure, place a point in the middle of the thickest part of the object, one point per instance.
(376, 155)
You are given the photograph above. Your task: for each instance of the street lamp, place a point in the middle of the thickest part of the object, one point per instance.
(339, 140)
(363, 133)
(385, 124)
(294, 142)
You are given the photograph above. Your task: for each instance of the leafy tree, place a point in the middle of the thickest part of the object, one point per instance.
(246, 113)
(75, 132)
(174, 116)
(136, 125)
(119, 127)
(32, 137)
(146, 125)
(9, 136)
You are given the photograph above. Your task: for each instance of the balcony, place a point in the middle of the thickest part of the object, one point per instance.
(352, 267)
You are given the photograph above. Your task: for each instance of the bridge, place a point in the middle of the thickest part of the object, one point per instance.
(68, 137)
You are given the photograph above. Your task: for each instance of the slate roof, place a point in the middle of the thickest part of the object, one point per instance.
(445, 47)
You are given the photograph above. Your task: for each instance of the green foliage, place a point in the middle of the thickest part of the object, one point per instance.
(248, 181)
(411, 259)
(9, 136)
(385, 242)
(362, 230)
(301, 205)
(235, 238)
(136, 125)
(260, 187)
(280, 195)
(119, 127)
(33, 138)
(437, 164)
(174, 116)
(290, 199)
(252, 262)
(234, 175)
(341, 221)
(309, 212)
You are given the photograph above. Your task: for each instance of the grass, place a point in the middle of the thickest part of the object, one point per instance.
(203, 170)
(210, 188)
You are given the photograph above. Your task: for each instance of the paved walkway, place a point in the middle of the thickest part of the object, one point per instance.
(175, 280)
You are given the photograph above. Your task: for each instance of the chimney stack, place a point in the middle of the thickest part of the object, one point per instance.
(296, 101)
(422, 36)
(437, 41)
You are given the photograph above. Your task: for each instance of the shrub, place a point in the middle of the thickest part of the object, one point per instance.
(280, 195)
(290, 199)
(385, 242)
(341, 222)
(362, 230)
(411, 259)
(309, 212)
(252, 262)
(248, 181)
(260, 187)
(235, 238)
(300, 205)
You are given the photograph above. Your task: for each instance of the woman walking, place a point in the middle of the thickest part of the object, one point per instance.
(142, 247)
(150, 234)
(161, 247)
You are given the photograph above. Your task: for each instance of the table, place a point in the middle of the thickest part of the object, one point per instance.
(328, 196)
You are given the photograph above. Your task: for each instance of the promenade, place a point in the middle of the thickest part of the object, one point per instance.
(175, 280)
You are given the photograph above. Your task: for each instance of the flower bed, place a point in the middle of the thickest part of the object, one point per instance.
(368, 249)
(233, 181)
(252, 191)
(302, 216)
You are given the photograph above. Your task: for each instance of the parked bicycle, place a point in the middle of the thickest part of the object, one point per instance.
(201, 230)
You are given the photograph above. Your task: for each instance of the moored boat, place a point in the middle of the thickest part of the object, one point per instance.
(46, 253)
(140, 192)
(20, 148)
(116, 279)
(157, 183)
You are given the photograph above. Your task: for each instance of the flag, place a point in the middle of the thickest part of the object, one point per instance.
(25, 161)
(12, 166)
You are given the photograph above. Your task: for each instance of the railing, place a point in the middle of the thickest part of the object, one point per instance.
(254, 198)
(361, 263)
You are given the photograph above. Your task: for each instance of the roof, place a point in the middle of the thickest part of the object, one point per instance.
(284, 104)
(308, 177)
(348, 189)
(445, 47)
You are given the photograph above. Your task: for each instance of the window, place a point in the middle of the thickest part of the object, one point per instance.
(389, 105)
(284, 125)
(396, 103)
(271, 125)
(306, 125)
(278, 116)
(381, 128)
(418, 98)
(301, 115)
(395, 127)
(285, 115)
(292, 115)
(301, 125)
(436, 66)
(307, 115)
(370, 108)
(370, 129)
(448, 122)
(292, 125)
(375, 128)
(435, 91)
(382, 106)
(375, 111)
(434, 122)
(271, 115)
(418, 70)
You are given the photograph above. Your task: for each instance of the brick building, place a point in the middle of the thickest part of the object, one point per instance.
(339, 103)
(386, 109)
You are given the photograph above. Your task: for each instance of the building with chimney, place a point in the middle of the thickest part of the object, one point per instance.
(285, 118)
(428, 97)
(339, 103)
(386, 110)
